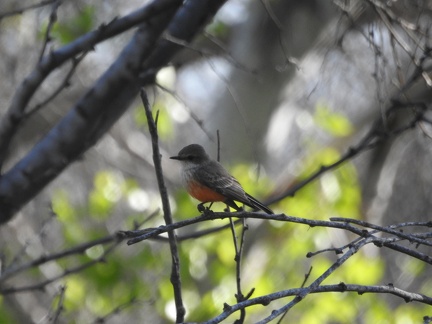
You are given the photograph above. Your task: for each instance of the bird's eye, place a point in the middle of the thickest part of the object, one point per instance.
(190, 157)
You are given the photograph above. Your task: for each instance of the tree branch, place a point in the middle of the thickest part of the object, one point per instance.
(79, 249)
(88, 120)
(41, 285)
(342, 287)
(20, 11)
(175, 268)
(375, 136)
(317, 282)
(11, 121)
(103, 104)
(238, 248)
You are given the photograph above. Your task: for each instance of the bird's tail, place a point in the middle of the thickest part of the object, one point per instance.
(258, 205)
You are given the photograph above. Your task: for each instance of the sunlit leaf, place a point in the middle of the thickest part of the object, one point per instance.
(332, 122)
(62, 206)
(108, 189)
(70, 29)
(75, 295)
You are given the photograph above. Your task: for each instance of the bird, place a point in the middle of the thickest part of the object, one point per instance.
(207, 180)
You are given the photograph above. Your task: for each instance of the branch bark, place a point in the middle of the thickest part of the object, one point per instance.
(102, 105)
(175, 266)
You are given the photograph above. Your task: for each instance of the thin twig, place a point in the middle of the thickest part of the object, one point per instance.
(52, 20)
(194, 116)
(306, 277)
(205, 232)
(115, 311)
(375, 136)
(11, 120)
(218, 145)
(175, 269)
(341, 287)
(209, 54)
(21, 10)
(23, 249)
(64, 84)
(14, 270)
(317, 282)
(41, 285)
(383, 229)
(194, 235)
(238, 248)
(60, 305)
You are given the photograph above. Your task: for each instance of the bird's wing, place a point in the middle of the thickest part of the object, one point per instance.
(225, 184)
(222, 182)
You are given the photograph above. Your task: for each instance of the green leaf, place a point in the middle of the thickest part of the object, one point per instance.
(332, 122)
(109, 187)
(165, 124)
(62, 206)
(67, 31)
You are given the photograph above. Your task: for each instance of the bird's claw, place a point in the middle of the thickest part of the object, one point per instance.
(201, 208)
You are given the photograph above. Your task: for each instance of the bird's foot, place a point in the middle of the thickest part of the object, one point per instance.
(201, 208)
(208, 212)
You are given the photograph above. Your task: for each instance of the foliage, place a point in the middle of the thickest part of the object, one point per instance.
(65, 31)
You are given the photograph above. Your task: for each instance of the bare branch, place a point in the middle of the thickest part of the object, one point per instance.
(79, 249)
(175, 269)
(116, 311)
(103, 104)
(238, 249)
(41, 285)
(20, 11)
(89, 119)
(14, 116)
(64, 84)
(51, 22)
(342, 287)
(375, 136)
(60, 306)
(388, 230)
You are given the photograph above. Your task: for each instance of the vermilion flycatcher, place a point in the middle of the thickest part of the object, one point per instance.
(207, 180)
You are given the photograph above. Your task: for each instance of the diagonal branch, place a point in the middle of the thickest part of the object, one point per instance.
(14, 270)
(41, 285)
(103, 104)
(21, 10)
(317, 282)
(375, 136)
(342, 287)
(11, 121)
(59, 88)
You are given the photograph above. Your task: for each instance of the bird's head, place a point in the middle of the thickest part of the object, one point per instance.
(193, 153)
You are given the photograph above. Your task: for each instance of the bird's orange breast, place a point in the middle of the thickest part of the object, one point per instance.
(203, 193)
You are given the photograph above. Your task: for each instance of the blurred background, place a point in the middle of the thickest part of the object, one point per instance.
(289, 86)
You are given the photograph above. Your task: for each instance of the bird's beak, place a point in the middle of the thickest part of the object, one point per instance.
(175, 158)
